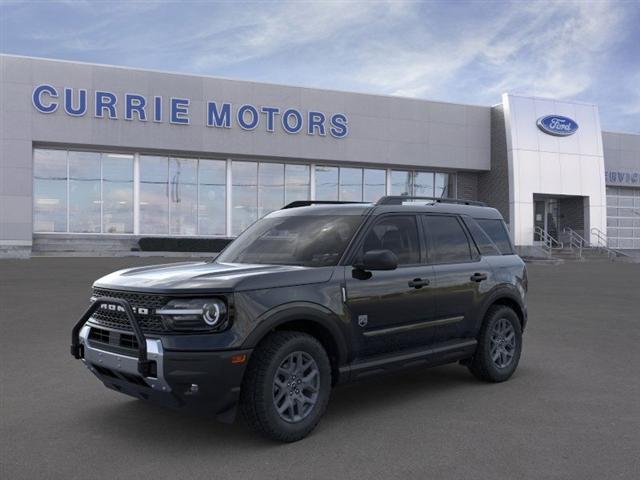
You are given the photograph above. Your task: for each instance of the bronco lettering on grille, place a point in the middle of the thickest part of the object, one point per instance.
(118, 308)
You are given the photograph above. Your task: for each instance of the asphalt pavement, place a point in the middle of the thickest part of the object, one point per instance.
(572, 410)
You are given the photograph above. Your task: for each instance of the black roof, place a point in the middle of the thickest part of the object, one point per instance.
(356, 208)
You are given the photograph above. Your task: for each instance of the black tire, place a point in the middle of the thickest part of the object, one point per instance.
(259, 391)
(484, 364)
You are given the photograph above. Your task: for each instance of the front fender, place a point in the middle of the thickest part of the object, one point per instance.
(318, 314)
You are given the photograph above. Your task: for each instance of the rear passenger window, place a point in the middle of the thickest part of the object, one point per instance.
(484, 243)
(497, 232)
(398, 234)
(448, 241)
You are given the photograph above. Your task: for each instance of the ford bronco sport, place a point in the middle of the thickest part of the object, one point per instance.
(312, 295)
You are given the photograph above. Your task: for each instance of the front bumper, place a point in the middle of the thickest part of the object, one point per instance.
(208, 382)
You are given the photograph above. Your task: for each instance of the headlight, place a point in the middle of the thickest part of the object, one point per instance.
(195, 314)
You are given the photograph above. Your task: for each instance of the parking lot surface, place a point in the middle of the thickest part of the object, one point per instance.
(572, 410)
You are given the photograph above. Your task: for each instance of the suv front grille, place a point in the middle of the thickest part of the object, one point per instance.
(118, 320)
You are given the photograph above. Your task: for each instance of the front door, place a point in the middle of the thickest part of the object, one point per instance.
(539, 219)
(388, 308)
(545, 217)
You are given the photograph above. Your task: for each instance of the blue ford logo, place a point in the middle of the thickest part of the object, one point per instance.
(557, 125)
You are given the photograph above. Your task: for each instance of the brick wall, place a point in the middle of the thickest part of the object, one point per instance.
(493, 186)
(467, 185)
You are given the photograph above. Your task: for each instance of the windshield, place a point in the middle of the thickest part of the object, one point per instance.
(312, 241)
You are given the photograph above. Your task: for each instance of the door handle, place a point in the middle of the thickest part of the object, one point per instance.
(478, 277)
(418, 283)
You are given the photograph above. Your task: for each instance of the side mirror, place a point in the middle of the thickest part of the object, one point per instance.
(378, 260)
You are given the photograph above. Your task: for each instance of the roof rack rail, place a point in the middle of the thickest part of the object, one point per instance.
(307, 203)
(400, 199)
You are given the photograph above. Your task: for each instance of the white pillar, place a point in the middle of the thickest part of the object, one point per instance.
(136, 194)
(229, 197)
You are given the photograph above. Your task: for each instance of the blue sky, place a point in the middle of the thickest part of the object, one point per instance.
(458, 51)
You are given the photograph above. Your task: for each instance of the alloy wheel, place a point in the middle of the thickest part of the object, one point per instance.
(295, 387)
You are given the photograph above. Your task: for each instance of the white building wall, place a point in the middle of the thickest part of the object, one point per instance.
(544, 164)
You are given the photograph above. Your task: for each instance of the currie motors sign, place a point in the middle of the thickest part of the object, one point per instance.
(132, 106)
(557, 125)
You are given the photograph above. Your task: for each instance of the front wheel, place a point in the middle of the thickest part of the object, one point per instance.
(499, 345)
(287, 385)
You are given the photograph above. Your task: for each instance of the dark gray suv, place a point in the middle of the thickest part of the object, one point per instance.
(315, 294)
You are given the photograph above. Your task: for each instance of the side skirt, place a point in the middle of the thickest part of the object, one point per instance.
(439, 354)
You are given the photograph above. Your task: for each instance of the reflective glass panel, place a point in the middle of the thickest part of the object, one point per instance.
(326, 183)
(117, 193)
(400, 182)
(244, 195)
(423, 184)
(448, 242)
(442, 184)
(49, 190)
(351, 184)
(84, 192)
(296, 183)
(270, 188)
(154, 195)
(183, 196)
(374, 185)
(212, 176)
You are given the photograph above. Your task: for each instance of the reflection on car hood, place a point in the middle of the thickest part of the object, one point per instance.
(204, 276)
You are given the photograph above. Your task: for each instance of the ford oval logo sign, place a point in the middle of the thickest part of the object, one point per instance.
(557, 125)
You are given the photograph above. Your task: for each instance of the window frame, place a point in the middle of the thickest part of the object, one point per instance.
(474, 254)
(505, 230)
(360, 236)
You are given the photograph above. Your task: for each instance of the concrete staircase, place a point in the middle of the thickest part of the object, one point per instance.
(587, 254)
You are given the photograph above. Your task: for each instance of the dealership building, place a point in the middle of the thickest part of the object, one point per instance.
(96, 157)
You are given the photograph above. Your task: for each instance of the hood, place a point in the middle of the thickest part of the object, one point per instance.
(188, 277)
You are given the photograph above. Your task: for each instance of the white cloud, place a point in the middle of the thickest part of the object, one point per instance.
(263, 32)
(546, 49)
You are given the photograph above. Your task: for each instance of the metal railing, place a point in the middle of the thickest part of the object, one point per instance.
(576, 241)
(548, 241)
(603, 245)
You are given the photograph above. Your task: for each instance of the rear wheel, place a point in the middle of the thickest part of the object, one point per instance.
(499, 345)
(287, 385)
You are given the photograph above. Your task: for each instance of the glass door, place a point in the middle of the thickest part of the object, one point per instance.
(539, 218)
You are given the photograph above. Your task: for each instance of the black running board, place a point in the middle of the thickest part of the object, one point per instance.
(445, 352)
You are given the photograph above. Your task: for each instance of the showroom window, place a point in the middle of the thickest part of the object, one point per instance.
(401, 183)
(125, 193)
(154, 195)
(326, 183)
(82, 192)
(270, 187)
(244, 195)
(212, 197)
(50, 190)
(422, 184)
(117, 193)
(350, 184)
(374, 185)
(183, 196)
(85, 204)
(296, 183)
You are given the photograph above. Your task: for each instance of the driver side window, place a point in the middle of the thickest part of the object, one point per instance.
(396, 233)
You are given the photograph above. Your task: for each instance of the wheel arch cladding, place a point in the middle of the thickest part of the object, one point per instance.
(322, 326)
(510, 302)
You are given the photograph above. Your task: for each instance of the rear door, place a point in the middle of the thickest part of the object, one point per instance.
(461, 276)
(388, 308)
